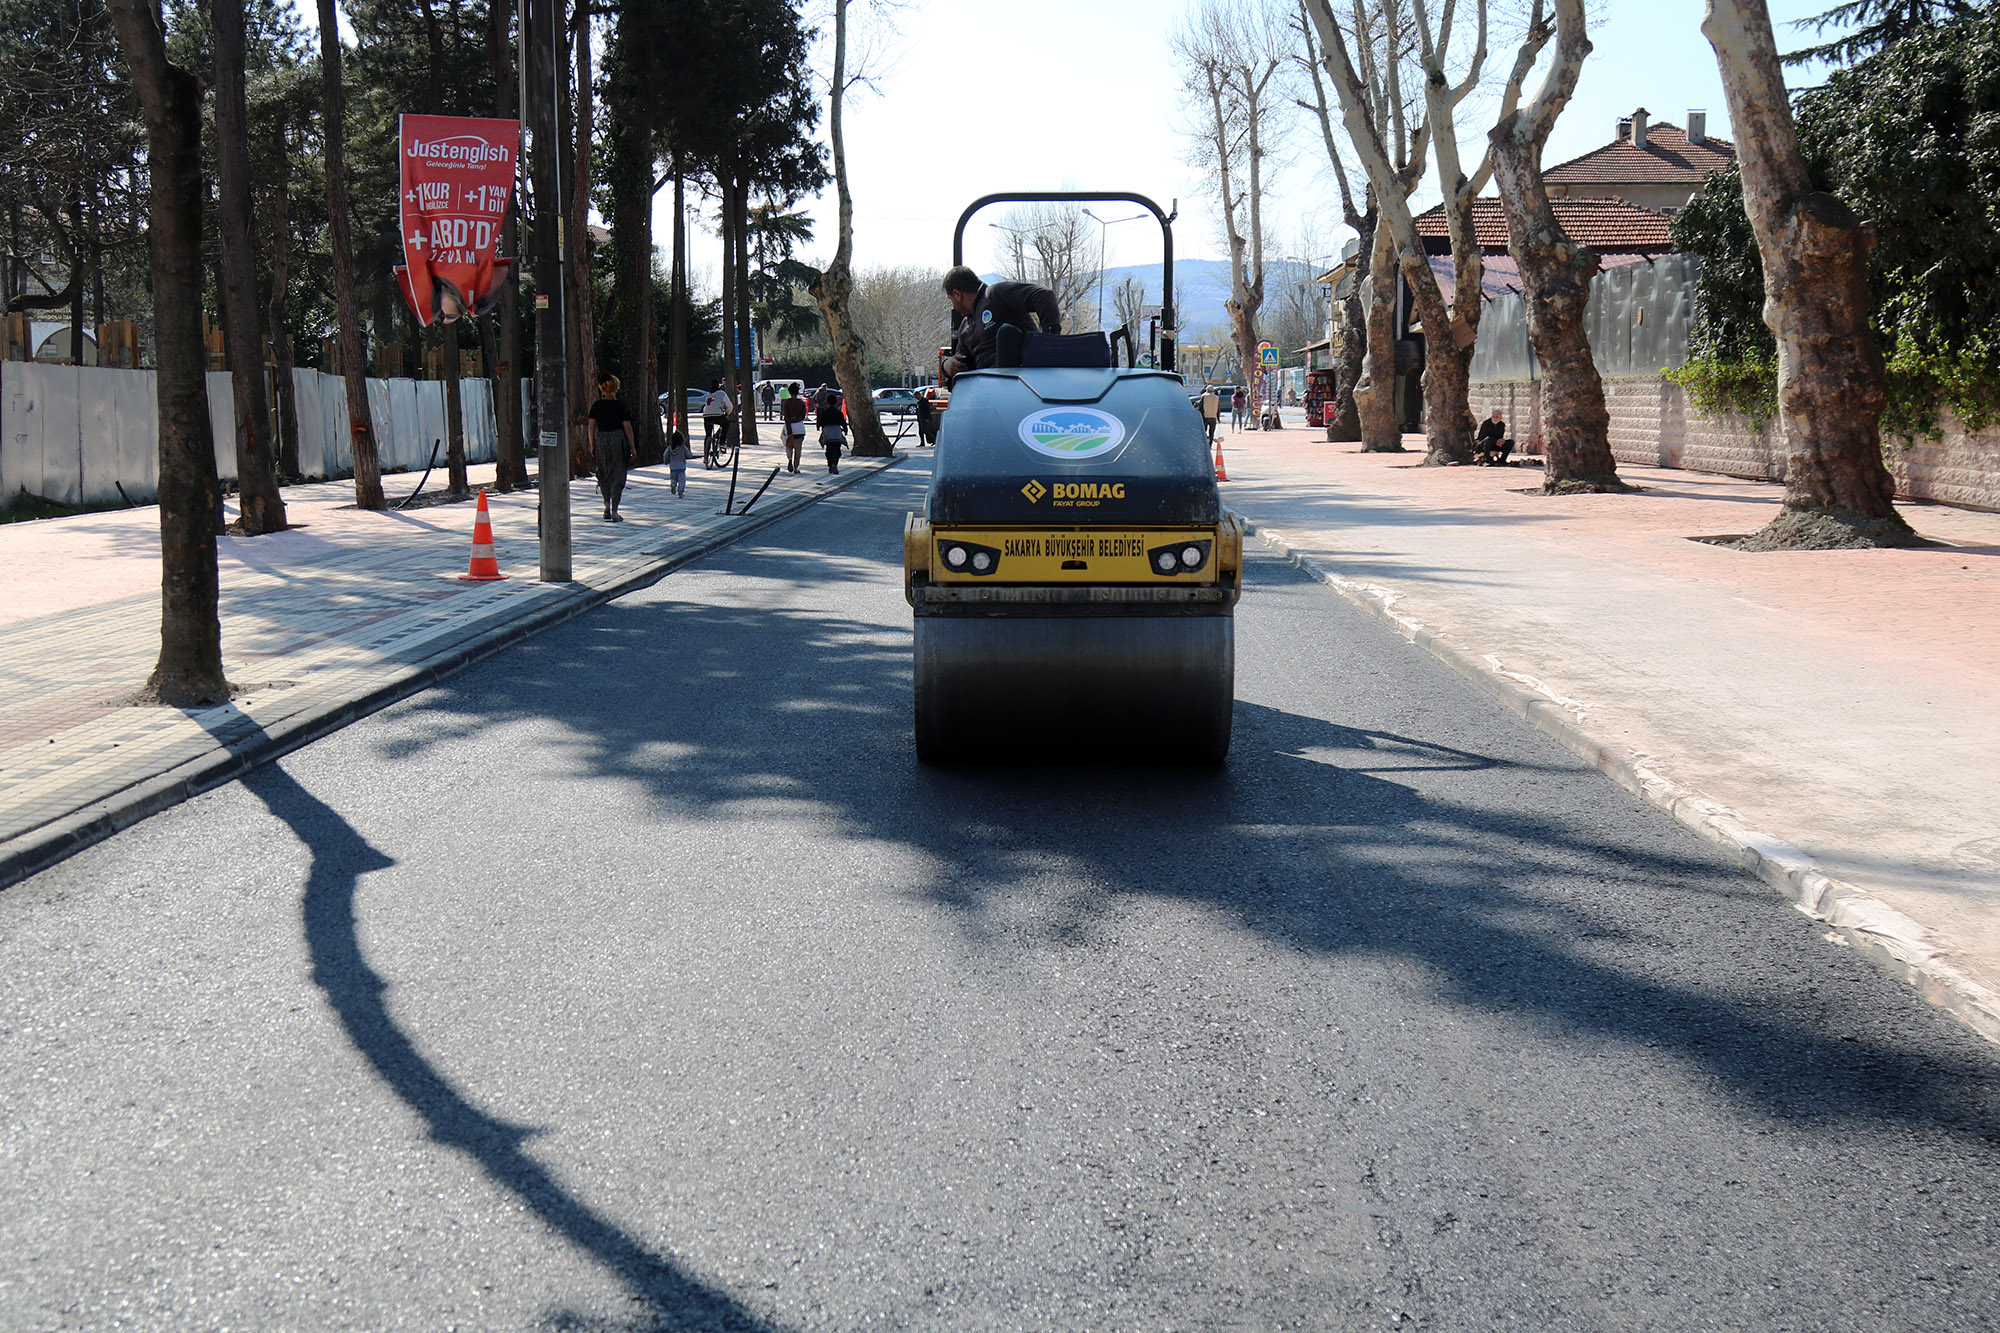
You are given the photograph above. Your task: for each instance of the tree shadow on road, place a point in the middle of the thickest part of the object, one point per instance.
(340, 857)
(1340, 840)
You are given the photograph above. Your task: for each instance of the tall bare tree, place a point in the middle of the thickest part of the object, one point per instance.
(1054, 245)
(353, 356)
(189, 670)
(262, 507)
(503, 343)
(835, 288)
(580, 289)
(1379, 31)
(279, 194)
(1555, 270)
(898, 312)
(1450, 330)
(1128, 300)
(1831, 380)
(1232, 53)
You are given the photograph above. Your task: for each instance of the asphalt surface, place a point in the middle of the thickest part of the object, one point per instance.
(639, 978)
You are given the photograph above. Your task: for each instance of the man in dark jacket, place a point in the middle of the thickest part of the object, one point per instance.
(1491, 446)
(985, 309)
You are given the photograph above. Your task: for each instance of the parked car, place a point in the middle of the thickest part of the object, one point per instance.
(695, 398)
(895, 402)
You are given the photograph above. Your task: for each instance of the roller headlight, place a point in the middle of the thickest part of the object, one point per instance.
(1180, 558)
(967, 557)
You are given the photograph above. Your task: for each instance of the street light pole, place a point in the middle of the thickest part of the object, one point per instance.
(541, 47)
(1104, 227)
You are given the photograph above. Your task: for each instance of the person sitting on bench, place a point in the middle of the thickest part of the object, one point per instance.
(1492, 445)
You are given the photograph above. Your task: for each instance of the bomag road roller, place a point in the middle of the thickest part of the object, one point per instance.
(1073, 573)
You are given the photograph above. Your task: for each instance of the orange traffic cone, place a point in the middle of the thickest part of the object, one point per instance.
(1220, 474)
(485, 569)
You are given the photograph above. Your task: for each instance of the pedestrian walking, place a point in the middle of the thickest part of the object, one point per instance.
(1211, 411)
(794, 409)
(715, 423)
(678, 454)
(829, 407)
(770, 396)
(926, 421)
(833, 440)
(1239, 404)
(616, 449)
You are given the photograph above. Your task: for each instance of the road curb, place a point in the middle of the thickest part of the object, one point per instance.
(1896, 943)
(44, 846)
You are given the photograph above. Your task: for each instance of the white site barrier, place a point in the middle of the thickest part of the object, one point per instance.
(78, 434)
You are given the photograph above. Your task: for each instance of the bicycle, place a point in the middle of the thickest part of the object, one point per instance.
(718, 448)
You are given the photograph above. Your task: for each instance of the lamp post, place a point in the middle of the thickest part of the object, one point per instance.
(1104, 227)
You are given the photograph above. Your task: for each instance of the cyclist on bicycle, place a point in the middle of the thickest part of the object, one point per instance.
(718, 424)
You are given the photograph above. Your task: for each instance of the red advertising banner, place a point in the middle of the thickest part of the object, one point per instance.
(457, 184)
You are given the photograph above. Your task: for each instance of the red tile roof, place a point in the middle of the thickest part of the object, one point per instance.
(1667, 159)
(1603, 224)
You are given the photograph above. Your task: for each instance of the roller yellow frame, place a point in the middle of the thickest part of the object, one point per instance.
(1065, 554)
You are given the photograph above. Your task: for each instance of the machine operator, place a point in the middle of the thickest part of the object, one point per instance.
(985, 309)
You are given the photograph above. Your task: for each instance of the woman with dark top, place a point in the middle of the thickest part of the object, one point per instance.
(794, 409)
(831, 417)
(616, 449)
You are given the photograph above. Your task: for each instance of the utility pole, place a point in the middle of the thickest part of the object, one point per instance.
(542, 62)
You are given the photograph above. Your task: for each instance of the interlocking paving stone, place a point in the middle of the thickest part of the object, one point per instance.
(320, 616)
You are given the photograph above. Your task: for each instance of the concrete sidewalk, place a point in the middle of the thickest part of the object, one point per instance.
(345, 613)
(1835, 716)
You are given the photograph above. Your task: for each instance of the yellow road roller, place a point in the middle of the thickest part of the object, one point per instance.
(1073, 574)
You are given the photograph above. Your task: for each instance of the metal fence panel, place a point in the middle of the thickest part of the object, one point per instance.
(1636, 320)
(222, 422)
(1502, 352)
(20, 431)
(137, 411)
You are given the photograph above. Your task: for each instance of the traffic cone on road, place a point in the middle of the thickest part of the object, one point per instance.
(485, 569)
(1220, 474)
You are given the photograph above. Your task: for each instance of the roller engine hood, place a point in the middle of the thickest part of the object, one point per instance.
(1064, 445)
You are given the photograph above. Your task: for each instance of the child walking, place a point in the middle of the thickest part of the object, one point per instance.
(678, 454)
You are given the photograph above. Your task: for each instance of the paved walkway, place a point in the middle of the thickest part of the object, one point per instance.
(1834, 715)
(341, 615)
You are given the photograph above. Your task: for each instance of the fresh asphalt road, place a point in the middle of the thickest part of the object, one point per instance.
(640, 978)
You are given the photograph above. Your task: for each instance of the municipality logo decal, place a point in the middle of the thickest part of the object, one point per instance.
(1072, 433)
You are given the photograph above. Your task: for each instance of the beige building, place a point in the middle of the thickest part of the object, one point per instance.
(1657, 165)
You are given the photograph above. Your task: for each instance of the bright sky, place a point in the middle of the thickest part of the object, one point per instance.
(1085, 94)
(974, 97)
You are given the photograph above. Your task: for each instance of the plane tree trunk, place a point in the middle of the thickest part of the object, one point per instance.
(1831, 379)
(583, 309)
(189, 670)
(1555, 278)
(262, 507)
(274, 315)
(503, 344)
(454, 411)
(353, 356)
(835, 288)
(1375, 389)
